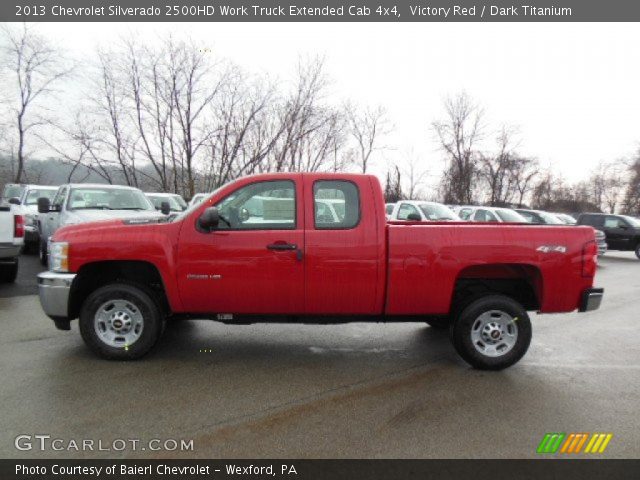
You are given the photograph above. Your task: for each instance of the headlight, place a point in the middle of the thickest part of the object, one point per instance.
(59, 256)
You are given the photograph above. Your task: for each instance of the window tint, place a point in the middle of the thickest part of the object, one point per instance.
(269, 205)
(593, 220)
(405, 210)
(336, 204)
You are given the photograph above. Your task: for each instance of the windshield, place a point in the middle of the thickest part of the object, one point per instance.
(12, 191)
(176, 203)
(97, 198)
(568, 219)
(34, 194)
(634, 222)
(507, 215)
(436, 211)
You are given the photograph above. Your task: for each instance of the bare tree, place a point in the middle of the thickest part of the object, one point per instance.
(607, 184)
(416, 175)
(36, 67)
(458, 134)
(524, 172)
(497, 170)
(368, 127)
(393, 186)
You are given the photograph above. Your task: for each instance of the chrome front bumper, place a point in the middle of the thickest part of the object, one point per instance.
(53, 289)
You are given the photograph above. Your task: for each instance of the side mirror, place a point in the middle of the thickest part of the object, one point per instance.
(209, 219)
(44, 205)
(165, 208)
(414, 217)
(14, 201)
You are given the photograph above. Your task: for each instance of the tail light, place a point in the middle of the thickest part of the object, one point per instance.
(18, 226)
(589, 259)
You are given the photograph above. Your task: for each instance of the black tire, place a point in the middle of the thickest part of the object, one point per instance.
(439, 323)
(44, 256)
(461, 332)
(144, 302)
(9, 271)
(638, 251)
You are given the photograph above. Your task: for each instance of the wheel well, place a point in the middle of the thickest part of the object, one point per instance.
(523, 283)
(92, 276)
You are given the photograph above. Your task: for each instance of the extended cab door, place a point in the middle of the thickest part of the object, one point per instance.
(253, 262)
(344, 246)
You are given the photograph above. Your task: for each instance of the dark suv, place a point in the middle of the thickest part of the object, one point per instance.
(622, 231)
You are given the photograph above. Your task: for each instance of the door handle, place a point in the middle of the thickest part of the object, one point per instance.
(282, 246)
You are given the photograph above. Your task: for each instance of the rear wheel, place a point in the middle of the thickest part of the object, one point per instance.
(9, 271)
(492, 332)
(121, 321)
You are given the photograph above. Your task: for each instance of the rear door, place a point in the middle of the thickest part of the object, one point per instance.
(253, 262)
(342, 252)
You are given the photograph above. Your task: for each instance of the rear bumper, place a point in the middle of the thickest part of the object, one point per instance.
(53, 289)
(591, 299)
(9, 250)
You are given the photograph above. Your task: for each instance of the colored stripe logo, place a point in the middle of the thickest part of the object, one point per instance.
(574, 443)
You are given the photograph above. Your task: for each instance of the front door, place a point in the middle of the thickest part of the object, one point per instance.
(619, 233)
(253, 262)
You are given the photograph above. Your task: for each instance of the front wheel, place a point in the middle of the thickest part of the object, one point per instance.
(121, 321)
(492, 333)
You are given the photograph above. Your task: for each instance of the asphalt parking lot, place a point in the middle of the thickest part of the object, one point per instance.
(347, 391)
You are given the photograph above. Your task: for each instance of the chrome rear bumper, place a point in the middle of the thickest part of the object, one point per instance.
(591, 299)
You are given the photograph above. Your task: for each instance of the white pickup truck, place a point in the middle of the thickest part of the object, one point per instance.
(11, 241)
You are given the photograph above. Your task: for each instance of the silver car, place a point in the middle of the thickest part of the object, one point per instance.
(82, 203)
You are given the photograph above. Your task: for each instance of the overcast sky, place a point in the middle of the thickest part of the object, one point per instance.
(572, 89)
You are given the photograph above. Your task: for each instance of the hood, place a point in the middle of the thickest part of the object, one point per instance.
(85, 216)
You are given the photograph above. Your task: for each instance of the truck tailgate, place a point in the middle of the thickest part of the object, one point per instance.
(6, 224)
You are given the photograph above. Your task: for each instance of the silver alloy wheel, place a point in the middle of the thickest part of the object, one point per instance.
(118, 323)
(494, 333)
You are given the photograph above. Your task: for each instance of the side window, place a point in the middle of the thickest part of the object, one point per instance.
(480, 216)
(405, 210)
(528, 216)
(490, 217)
(593, 220)
(336, 204)
(389, 209)
(613, 222)
(269, 205)
(465, 213)
(59, 198)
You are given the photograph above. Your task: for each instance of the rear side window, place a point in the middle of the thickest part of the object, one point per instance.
(593, 220)
(336, 205)
(614, 222)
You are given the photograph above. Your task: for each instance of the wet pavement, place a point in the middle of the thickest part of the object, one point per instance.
(302, 391)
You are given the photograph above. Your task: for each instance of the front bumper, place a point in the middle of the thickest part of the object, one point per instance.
(54, 289)
(591, 299)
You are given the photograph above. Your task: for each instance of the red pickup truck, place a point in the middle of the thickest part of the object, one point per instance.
(314, 248)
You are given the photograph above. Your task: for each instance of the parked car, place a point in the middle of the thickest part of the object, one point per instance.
(420, 211)
(11, 241)
(197, 198)
(388, 210)
(27, 206)
(175, 201)
(566, 218)
(545, 218)
(11, 190)
(81, 203)
(489, 214)
(124, 278)
(622, 231)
